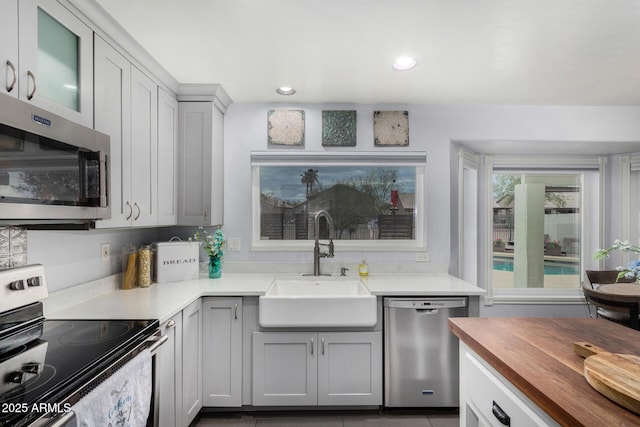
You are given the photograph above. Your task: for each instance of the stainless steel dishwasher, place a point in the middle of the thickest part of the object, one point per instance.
(420, 354)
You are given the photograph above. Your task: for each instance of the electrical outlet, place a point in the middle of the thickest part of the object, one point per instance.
(105, 252)
(422, 257)
(233, 243)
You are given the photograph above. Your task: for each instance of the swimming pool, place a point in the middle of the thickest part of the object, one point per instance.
(550, 267)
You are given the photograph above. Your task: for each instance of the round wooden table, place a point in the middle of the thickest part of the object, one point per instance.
(629, 291)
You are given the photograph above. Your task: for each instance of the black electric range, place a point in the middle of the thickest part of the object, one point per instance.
(48, 365)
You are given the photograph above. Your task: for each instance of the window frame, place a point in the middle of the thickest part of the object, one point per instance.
(589, 242)
(361, 158)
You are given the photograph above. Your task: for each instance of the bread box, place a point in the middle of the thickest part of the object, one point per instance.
(175, 261)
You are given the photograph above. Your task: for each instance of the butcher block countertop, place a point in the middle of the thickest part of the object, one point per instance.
(536, 356)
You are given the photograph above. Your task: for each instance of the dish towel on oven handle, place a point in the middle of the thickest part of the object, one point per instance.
(122, 400)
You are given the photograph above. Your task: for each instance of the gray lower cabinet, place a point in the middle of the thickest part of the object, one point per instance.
(317, 368)
(285, 368)
(191, 361)
(170, 373)
(222, 352)
(350, 368)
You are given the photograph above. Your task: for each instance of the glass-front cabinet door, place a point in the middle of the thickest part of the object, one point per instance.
(56, 60)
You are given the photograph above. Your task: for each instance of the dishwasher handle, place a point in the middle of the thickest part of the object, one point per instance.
(427, 310)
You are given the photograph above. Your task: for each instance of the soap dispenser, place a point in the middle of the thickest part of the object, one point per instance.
(363, 268)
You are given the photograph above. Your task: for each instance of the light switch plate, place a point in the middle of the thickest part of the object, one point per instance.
(233, 243)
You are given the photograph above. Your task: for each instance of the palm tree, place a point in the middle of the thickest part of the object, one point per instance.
(310, 177)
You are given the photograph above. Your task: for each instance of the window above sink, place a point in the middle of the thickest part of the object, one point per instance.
(361, 200)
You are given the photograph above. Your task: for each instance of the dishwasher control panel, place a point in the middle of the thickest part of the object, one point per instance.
(426, 303)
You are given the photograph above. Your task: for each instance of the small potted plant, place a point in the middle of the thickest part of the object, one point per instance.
(632, 269)
(498, 245)
(553, 247)
(213, 244)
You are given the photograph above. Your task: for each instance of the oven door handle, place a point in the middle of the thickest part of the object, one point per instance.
(157, 342)
(62, 420)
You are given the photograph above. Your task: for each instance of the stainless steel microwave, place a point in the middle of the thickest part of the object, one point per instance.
(52, 170)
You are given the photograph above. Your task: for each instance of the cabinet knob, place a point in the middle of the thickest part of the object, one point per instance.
(170, 324)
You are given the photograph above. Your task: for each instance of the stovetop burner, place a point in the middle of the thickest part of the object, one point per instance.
(84, 334)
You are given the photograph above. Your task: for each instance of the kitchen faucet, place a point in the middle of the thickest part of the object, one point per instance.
(317, 255)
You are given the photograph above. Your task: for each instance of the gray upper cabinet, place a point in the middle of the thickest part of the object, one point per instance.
(113, 117)
(144, 148)
(55, 69)
(9, 47)
(141, 120)
(167, 158)
(201, 154)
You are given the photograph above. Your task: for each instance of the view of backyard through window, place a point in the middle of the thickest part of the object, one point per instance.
(337, 202)
(536, 230)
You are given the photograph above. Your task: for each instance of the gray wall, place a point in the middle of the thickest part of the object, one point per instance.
(73, 257)
(433, 129)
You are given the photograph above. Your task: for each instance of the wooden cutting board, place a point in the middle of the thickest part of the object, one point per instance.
(614, 375)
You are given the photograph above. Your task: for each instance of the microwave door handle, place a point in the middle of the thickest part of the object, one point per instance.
(103, 178)
(99, 158)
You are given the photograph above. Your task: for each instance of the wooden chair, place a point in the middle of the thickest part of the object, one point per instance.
(605, 277)
(611, 307)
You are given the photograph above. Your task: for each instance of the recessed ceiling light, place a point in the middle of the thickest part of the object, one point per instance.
(286, 90)
(404, 63)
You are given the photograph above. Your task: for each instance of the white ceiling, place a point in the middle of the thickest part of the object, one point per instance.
(519, 52)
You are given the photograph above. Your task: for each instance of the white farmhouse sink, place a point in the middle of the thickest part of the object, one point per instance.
(317, 302)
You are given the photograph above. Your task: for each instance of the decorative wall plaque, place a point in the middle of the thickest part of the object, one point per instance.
(286, 127)
(391, 128)
(339, 128)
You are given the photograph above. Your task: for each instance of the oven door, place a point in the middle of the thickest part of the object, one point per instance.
(65, 417)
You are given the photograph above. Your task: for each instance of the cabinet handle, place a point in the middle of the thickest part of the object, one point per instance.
(130, 211)
(206, 213)
(170, 324)
(138, 214)
(312, 346)
(235, 312)
(500, 414)
(322, 342)
(15, 76)
(33, 79)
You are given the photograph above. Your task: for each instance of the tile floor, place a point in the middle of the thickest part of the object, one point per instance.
(373, 418)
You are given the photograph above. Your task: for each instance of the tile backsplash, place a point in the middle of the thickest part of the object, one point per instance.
(13, 247)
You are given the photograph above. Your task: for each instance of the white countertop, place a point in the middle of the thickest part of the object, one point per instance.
(162, 300)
